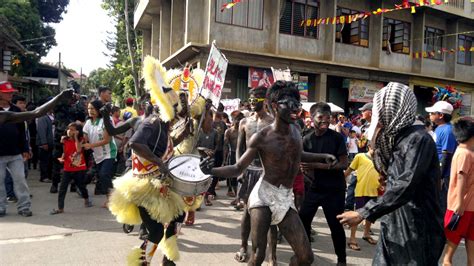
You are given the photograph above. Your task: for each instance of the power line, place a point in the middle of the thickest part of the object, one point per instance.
(39, 38)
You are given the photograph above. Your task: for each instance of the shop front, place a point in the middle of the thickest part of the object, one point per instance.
(429, 91)
(351, 94)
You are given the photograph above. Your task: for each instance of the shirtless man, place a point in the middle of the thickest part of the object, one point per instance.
(247, 128)
(14, 117)
(230, 146)
(279, 147)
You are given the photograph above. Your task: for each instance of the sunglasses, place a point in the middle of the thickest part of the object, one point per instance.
(256, 100)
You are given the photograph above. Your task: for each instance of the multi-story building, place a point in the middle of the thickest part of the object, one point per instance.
(335, 62)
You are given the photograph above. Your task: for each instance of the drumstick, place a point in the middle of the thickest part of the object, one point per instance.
(179, 164)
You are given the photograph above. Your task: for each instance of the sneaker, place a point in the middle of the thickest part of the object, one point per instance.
(25, 213)
(53, 189)
(46, 180)
(88, 203)
(12, 199)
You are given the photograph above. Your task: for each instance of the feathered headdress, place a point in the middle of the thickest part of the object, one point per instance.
(160, 91)
(184, 80)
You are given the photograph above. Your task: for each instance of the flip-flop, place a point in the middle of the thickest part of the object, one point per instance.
(240, 256)
(369, 240)
(353, 246)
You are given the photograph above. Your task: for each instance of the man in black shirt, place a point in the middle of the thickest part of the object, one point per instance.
(328, 187)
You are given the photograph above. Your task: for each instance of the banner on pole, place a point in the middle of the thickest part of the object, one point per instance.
(214, 77)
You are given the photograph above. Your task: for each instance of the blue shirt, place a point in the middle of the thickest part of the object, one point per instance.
(445, 141)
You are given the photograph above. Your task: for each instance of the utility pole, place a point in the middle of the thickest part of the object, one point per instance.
(80, 81)
(59, 73)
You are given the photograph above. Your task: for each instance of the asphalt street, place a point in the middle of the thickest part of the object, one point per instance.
(91, 236)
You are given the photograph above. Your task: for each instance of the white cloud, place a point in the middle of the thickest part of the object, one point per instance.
(81, 36)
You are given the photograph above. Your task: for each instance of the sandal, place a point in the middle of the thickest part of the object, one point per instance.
(241, 256)
(56, 211)
(207, 202)
(353, 246)
(369, 240)
(234, 202)
(240, 206)
(231, 194)
(189, 218)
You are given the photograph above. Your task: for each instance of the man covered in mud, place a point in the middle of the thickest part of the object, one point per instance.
(279, 147)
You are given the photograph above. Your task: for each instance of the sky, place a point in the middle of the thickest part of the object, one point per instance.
(81, 35)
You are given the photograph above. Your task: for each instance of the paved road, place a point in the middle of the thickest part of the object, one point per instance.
(90, 236)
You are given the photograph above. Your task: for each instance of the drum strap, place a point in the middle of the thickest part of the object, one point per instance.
(157, 140)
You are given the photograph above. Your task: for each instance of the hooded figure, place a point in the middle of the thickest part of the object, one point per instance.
(405, 156)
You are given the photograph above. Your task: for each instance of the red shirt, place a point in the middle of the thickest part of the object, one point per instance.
(73, 160)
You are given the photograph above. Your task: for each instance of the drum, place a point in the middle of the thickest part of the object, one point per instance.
(188, 179)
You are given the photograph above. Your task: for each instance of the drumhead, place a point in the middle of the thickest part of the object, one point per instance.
(186, 168)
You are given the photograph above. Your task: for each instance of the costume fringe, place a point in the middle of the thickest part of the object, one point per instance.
(134, 258)
(169, 247)
(162, 203)
(154, 74)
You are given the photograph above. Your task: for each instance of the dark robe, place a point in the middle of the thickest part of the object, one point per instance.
(411, 219)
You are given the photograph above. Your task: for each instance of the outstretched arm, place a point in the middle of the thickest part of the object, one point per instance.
(244, 161)
(13, 117)
(111, 129)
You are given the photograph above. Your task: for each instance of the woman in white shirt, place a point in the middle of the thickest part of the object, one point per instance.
(103, 147)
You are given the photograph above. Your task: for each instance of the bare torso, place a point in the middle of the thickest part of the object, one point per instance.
(280, 155)
(251, 125)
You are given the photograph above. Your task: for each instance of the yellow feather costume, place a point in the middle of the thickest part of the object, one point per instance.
(189, 82)
(139, 187)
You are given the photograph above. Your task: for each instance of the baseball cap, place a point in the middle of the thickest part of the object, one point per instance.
(6, 87)
(367, 106)
(440, 107)
(129, 101)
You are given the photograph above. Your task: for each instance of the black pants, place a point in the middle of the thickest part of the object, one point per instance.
(218, 160)
(34, 159)
(332, 203)
(156, 229)
(78, 178)
(45, 162)
(57, 166)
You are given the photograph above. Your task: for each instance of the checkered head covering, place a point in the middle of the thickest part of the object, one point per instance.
(394, 109)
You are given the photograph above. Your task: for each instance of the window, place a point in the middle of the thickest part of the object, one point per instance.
(355, 33)
(433, 43)
(465, 57)
(292, 12)
(247, 14)
(396, 36)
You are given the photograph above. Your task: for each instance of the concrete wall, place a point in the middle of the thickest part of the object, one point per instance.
(352, 54)
(3, 76)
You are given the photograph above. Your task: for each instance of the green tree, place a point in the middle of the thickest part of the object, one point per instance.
(125, 50)
(27, 20)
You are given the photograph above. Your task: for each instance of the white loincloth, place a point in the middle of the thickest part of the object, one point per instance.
(278, 199)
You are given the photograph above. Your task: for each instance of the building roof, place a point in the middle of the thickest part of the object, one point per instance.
(7, 40)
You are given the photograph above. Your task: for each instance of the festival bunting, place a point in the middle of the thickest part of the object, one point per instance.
(229, 5)
(431, 54)
(348, 19)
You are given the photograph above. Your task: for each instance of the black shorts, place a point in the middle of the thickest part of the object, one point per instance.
(249, 178)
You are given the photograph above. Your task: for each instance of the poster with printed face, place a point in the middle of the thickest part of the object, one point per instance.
(214, 77)
(260, 77)
(362, 91)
